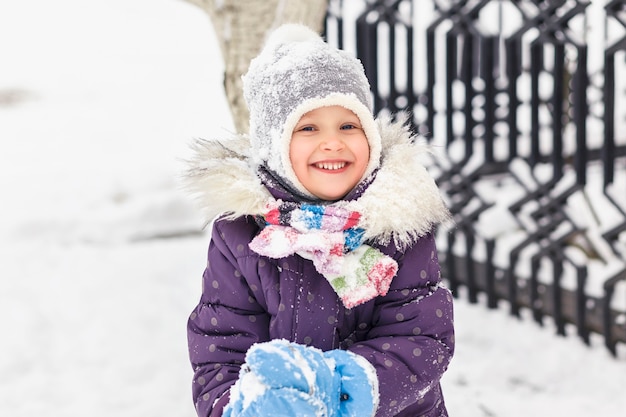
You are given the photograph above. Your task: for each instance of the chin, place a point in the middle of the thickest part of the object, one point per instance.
(332, 197)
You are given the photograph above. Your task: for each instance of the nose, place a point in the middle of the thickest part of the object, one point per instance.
(332, 143)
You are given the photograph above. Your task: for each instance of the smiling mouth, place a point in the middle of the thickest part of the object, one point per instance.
(330, 166)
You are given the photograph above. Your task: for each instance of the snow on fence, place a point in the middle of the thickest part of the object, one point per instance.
(525, 104)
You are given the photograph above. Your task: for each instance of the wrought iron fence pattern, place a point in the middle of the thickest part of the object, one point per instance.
(528, 100)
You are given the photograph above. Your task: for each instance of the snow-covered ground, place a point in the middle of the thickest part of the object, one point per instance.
(100, 254)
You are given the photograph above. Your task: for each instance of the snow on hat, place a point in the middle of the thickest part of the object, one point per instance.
(297, 72)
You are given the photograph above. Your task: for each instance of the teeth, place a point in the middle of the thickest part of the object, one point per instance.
(331, 165)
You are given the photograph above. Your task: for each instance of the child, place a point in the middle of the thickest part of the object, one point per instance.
(322, 293)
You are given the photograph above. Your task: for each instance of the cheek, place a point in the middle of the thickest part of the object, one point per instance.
(297, 154)
(293, 154)
(363, 153)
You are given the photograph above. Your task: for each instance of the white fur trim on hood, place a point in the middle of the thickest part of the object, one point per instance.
(400, 205)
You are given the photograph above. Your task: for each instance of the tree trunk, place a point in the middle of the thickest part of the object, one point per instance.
(241, 27)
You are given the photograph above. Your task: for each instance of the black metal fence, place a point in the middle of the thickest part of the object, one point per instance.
(526, 101)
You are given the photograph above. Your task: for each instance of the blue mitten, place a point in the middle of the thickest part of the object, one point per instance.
(359, 384)
(274, 402)
(281, 378)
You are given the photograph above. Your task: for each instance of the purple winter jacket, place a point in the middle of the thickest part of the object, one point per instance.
(407, 335)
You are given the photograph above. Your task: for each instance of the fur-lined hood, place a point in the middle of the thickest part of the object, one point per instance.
(401, 204)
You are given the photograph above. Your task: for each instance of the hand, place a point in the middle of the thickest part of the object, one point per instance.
(280, 363)
(286, 379)
(358, 384)
(275, 402)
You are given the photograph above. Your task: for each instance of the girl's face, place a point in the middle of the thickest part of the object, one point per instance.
(329, 152)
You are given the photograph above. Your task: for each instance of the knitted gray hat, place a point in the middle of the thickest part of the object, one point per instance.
(297, 72)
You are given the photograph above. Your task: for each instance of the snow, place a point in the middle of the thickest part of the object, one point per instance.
(101, 254)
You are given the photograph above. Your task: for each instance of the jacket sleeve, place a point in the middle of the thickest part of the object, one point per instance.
(228, 319)
(411, 341)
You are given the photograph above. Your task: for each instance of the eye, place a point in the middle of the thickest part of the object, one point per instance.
(306, 128)
(348, 126)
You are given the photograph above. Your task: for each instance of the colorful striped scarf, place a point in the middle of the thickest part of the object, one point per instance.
(329, 236)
